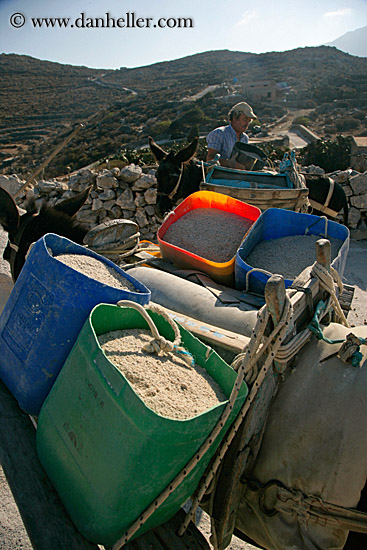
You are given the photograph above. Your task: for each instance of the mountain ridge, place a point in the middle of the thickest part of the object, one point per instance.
(41, 100)
(352, 42)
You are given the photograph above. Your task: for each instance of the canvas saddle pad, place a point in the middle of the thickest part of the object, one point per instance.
(315, 442)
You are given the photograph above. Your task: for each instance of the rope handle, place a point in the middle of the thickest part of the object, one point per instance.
(327, 281)
(251, 355)
(253, 270)
(325, 235)
(159, 343)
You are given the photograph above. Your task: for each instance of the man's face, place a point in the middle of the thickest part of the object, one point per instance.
(241, 123)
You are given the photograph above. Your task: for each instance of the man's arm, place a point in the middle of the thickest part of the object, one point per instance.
(227, 163)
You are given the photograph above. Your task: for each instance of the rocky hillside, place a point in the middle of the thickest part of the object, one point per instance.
(40, 101)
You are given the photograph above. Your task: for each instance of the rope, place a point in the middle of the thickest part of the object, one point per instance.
(307, 508)
(203, 171)
(251, 271)
(159, 343)
(251, 353)
(314, 509)
(317, 221)
(174, 190)
(249, 360)
(327, 283)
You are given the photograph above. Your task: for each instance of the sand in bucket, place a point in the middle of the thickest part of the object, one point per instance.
(96, 269)
(288, 256)
(210, 233)
(165, 382)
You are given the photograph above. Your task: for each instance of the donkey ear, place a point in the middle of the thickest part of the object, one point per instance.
(72, 205)
(186, 154)
(157, 151)
(9, 214)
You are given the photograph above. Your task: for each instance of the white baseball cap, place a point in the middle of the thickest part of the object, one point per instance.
(244, 108)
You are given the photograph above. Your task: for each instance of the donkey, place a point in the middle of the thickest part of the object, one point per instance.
(23, 230)
(326, 197)
(179, 175)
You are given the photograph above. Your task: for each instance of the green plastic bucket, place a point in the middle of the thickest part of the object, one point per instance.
(108, 455)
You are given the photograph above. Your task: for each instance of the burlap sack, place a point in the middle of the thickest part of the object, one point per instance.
(315, 441)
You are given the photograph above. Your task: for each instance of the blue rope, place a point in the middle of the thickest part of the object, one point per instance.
(357, 357)
(184, 352)
(315, 328)
(314, 325)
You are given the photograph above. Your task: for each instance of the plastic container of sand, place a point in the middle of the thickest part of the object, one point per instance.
(204, 232)
(112, 437)
(284, 242)
(59, 285)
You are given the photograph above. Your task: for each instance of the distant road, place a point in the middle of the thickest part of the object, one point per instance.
(295, 140)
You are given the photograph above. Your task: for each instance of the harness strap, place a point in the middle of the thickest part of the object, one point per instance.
(318, 206)
(324, 208)
(331, 191)
(175, 189)
(274, 497)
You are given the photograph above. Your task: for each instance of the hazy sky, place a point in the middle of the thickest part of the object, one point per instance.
(169, 29)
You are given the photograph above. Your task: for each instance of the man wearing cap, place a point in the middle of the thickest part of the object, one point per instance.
(222, 139)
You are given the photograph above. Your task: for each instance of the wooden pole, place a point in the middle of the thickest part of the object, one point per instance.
(46, 162)
(323, 257)
(323, 253)
(275, 295)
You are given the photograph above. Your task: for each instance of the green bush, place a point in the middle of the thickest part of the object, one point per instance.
(329, 154)
(347, 123)
(305, 121)
(159, 127)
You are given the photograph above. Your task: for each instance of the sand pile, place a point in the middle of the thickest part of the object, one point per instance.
(288, 256)
(209, 233)
(164, 382)
(96, 269)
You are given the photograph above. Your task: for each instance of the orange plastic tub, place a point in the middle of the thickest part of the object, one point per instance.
(222, 273)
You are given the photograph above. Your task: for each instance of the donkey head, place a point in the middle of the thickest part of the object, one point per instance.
(170, 175)
(25, 229)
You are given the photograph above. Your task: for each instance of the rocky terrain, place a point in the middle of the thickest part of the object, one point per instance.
(130, 193)
(40, 101)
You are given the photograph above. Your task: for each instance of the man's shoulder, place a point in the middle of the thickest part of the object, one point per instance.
(218, 130)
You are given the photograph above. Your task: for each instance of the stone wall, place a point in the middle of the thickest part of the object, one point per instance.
(128, 193)
(131, 192)
(355, 187)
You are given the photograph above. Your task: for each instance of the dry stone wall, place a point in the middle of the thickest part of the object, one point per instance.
(128, 193)
(131, 192)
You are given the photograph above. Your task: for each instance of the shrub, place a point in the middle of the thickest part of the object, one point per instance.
(329, 154)
(305, 121)
(160, 127)
(346, 123)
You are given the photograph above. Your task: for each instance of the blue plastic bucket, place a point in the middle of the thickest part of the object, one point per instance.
(276, 223)
(45, 311)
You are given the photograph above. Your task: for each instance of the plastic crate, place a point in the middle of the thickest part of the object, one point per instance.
(221, 272)
(45, 311)
(276, 223)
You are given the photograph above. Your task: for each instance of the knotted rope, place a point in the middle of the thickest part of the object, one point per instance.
(159, 343)
(327, 281)
(275, 497)
(250, 355)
